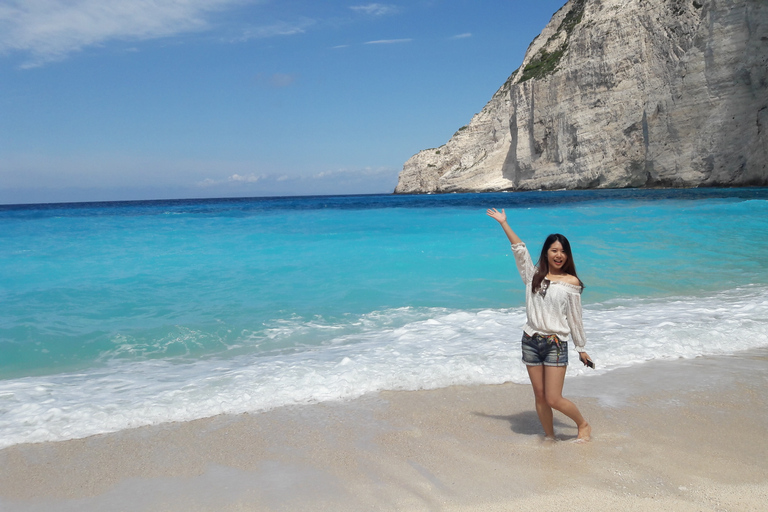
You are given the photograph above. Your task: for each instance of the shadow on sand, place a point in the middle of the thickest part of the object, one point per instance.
(525, 423)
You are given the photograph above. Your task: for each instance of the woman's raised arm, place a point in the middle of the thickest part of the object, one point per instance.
(501, 218)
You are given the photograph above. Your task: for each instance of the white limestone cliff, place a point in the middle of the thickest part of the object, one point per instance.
(620, 93)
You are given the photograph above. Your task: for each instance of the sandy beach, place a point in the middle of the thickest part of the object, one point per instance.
(668, 435)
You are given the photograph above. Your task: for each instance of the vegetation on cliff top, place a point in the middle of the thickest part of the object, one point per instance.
(545, 62)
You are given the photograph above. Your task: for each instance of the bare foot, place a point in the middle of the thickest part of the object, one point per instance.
(585, 433)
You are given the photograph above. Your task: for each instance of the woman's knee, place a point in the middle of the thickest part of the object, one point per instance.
(553, 401)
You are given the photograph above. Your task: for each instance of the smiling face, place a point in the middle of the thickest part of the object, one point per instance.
(556, 257)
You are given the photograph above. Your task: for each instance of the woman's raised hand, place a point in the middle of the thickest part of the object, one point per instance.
(501, 217)
(497, 215)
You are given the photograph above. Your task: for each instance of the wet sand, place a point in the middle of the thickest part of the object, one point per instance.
(685, 435)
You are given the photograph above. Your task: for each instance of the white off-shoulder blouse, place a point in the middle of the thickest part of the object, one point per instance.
(558, 311)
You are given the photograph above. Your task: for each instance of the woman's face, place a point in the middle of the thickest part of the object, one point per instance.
(556, 256)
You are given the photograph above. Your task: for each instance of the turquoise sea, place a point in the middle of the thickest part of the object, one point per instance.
(117, 315)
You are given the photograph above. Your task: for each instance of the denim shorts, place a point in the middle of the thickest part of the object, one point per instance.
(537, 351)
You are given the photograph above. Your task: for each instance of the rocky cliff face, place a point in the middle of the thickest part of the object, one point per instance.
(620, 93)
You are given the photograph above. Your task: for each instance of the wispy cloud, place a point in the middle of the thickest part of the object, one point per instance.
(235, 178)
(251, 178)
(51, 30)
(389, 41)
(276, 29)
(36, 178)
(329, 179)
(280, 80)
(375, 9)
(462, 36)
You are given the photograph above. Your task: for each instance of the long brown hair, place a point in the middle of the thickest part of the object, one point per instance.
(542, 266)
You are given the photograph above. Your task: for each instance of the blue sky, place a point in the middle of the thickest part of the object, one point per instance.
(154, 99)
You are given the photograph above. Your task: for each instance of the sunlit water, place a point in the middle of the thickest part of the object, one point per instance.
(115, 315)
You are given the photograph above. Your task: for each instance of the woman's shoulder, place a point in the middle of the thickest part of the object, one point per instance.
(572, 280)
(568, 279)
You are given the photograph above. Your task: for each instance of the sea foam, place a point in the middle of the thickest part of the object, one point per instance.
(397, 349)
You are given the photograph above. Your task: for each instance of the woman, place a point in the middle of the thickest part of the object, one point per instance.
(553, 309)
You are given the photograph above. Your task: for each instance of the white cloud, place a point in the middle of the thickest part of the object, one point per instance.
(51, 30)
(51, 179)
(280, 80)
(389, 41)
(207, 182)
(40, 179)
(251, 178)
(364, 172)
(111, 170)
(345, 180)
(462, 36)
(276, 29)
(375, 9)
(234, 178)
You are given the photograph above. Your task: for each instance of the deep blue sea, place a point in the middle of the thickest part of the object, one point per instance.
(117, 315)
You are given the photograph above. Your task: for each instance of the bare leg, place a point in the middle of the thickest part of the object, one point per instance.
(536, 374)
(554, 376)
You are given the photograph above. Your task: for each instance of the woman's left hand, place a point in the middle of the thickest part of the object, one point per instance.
(584, 358)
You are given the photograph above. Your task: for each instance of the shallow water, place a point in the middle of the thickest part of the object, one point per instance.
(124, 314)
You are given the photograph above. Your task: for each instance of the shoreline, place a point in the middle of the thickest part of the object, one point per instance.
(683, 435)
